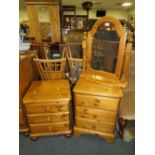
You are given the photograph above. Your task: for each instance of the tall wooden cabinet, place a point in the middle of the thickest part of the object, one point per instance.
(46, 10)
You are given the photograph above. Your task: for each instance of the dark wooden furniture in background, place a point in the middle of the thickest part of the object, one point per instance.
(77, 22)
(24, 82)
(54, 18)
(27, 73)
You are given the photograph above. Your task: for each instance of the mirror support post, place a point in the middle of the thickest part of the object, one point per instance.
(128, 52)
(84, 48)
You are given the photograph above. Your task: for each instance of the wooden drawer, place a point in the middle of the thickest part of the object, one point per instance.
(97, 102)
(49, 127)
(47, 107)
(95, 114)
(21, 118)
(95, 125)
(48, 118)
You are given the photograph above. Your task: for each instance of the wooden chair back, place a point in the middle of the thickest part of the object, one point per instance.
(41, 49)
(50, 69)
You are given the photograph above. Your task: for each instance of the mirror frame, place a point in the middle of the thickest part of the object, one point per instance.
(122, 34)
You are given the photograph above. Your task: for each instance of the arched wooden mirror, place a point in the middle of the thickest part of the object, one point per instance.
(105, 47)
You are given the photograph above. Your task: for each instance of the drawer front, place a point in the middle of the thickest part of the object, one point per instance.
(21, 118)
(47, 107)
(49, 127)
(95, 125)
(96, 114)
(48, 118)
(97, 102)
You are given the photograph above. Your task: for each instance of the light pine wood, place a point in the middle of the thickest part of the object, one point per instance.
(96, 102)
(51, 69)
(48, 117)
(97, 79)
(53, 15)
(84, 86)
(97, 93)
(34, 23)
(126, 60)
(96, 114)
(84, 47)
(109, 137)
(47, 105)
(55, 23)
(48, 91)
(91, 124)
(49, 127)
(99, 104)
(25, 79)
(38, 134)
(122, 35)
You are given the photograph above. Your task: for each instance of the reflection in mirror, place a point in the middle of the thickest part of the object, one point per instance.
(44, 21)
(105, 47)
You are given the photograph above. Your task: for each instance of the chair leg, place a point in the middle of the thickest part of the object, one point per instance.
(122, 124)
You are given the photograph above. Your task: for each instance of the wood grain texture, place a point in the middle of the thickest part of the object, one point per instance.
(96, 114)
(49, 127)
(109, 137)
(87, 87)
(122, 35)
(48, 91)
(47, 107)
(95, 125)
(25, 79)
(51, 69)
(34, 22)
(49, 133)
(96, 102)
(48, 117)
(97, 79)
(55, 23)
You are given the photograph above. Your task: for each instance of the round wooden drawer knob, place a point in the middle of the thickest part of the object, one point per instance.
(95, 104)
(48, 119)
(97, 100)
(47, 109)
(49, 128)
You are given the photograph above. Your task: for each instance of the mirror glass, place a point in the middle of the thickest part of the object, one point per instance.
(44, 21)
(105, 45)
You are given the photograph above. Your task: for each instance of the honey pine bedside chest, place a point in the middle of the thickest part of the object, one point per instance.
(47, 105)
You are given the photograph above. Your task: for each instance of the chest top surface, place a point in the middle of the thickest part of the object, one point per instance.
(48, 91)
(84, 86)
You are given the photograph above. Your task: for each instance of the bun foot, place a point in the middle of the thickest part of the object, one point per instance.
(34, 138)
